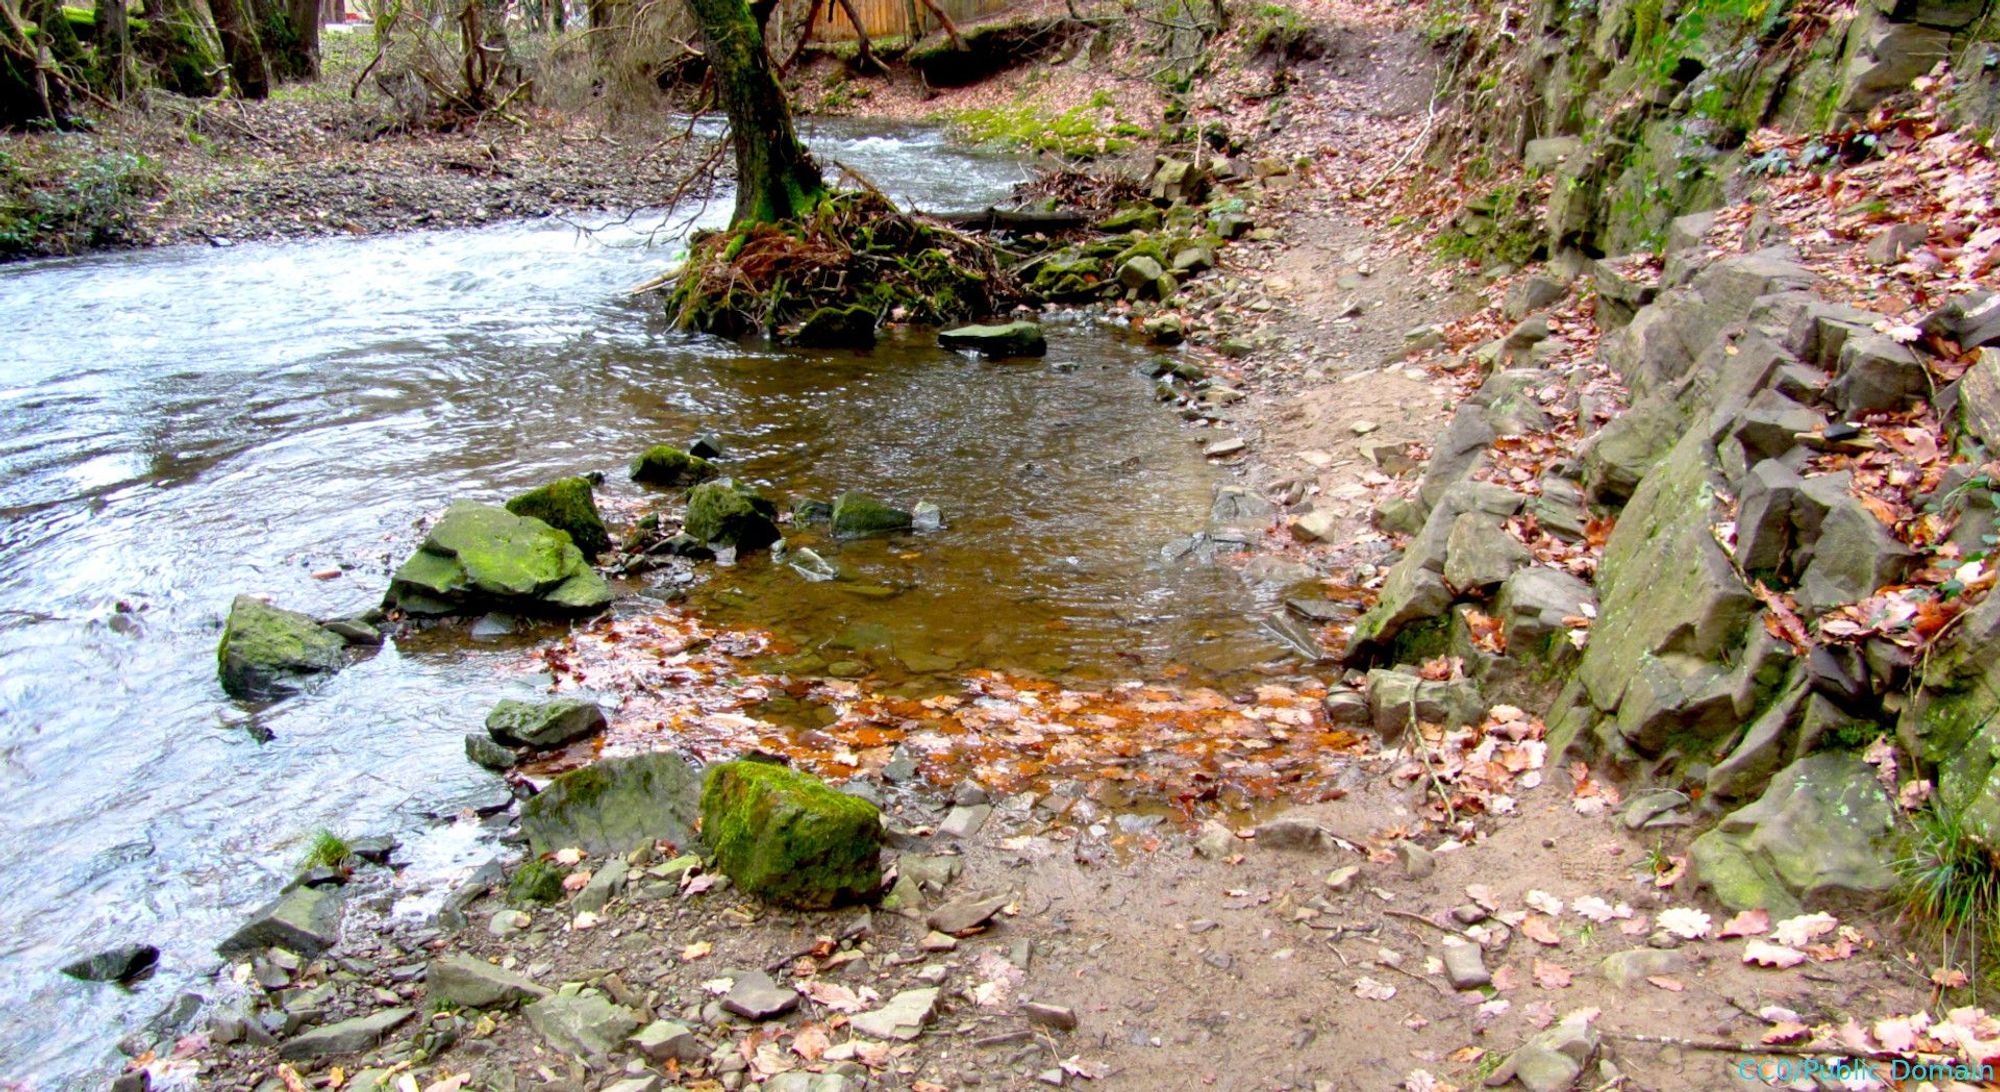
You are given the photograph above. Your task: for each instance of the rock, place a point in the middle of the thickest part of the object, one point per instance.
(788, 837)
(903, 1018)
(1884, 61)
(667, 465)
(1532, 606)
(1007, 340)
(476, 984)
(965, 821)
(583, 1023)
(1317, 526)
(481, 558)
(615, 806)
(544, 725)
(267, 652)
(346, 1037)
(1877, 374)
(1548, 153)
(851, 327)
(1176, 180)
(1164, 328)
(725, 514)
(1619, 455)
(754, 996)
(1465, 966)
(1050, 1016)
(1892, 242)
(1293, 833)
(1348, 707)
(1220, 448)
(1131, 218)
(568, 506)
(1979, 398)
(124, 963)
(605, 884)
(810, 565)
(926, 517)
(646, 1083)
(1480, 554)
(1418, 863)
(1822, 830)
(668, 1041)
(305, 920)
(1629, 969)
(1342, 878)
(1215, 841)
(1140, 273)
(857, 514)
(1854, 556)
(799, 1080)
(484, 752)
(1551, 1061)
(1972, 321)
(962, 916)
(1394, 696)
(1194, 259)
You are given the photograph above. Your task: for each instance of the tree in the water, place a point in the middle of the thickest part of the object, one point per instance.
(775, 177)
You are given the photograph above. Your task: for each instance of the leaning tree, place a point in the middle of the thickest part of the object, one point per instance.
(776, 179)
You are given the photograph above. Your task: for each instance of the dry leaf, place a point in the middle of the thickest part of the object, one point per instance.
(1787, 1033)
(1545, 902)
(1684, 922)
(1370, 990)
(571, 856)
(1671, 985)
(1746, 924)
(1766, 954)
(1539, 930)
(1551, 976)
(1797, 932)
(698, 950)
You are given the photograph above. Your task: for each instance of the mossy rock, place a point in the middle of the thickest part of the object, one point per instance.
(665, 464)
(267, 651)
(857, 514)
(1131, 218)
(536, 882)
(480, 558)
(568, 506)
(724, 513)
(544, 724)
(790, 838)
(615, 806)
(837, 328)
(1012, 339)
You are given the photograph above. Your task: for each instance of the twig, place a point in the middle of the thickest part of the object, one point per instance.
(854, 929)
(1442, 991)
(1445, 929)
(1422, 748)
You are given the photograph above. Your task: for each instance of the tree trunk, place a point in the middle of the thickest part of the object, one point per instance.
(114, 46)
(775, 178)
(56, 32)
(288, 31)
(239, 45)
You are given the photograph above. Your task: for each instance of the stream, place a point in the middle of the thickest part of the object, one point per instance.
(178, 426)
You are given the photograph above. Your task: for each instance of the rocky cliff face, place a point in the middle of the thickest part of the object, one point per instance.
(1593, 123)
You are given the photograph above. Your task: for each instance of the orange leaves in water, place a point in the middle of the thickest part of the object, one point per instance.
(686, 685)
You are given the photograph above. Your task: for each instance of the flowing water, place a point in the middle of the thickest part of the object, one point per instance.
(181, 425)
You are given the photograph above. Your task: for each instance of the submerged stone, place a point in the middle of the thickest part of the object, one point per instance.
(665, 464)
(857, 514)
(267, 651)
(120, 964)
(1004, 340)
(480, 557)
(837, 328)
(788, 837)
(615, 806)
(723, 513)
(568, 506)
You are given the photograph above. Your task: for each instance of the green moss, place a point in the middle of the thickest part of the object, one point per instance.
(1419, 641)
(1080, 132)
(788, 837)
(568, 506)
(664, 464)
(536, 882)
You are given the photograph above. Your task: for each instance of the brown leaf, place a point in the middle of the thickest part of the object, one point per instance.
(1746, 924)
(1551, 976)
(1540, 930)
(1671, 985)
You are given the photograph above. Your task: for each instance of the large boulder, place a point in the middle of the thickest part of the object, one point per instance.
(857, 514)
(615, 806)
(664, 464)
(788, 837)
(724, 513)
(268, 652)
(567, 505)
(583, 1023)
(543, 724)
(1853, 556)
(480, 558)
(1003, 340)
(1823, 831)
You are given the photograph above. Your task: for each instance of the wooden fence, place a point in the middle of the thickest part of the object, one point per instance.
(891, 18)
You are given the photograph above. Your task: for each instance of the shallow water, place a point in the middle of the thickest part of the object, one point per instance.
(179, 426)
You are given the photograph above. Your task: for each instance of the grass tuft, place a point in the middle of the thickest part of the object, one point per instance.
(1950, 887)
(326, 850)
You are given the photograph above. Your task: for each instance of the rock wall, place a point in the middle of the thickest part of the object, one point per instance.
(1725, 479)
(1627, 113)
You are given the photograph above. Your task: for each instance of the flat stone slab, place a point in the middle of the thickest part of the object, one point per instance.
(305, 920)
(582, 1023)
(754, 996)
(964, 822)
(961, 916)
(346, 1037)
(1465, 967)
(476, 984)
(904, 1017)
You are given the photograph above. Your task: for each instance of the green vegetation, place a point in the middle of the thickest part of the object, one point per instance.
(1092, 129)
(1950, 886)
(326, 850)
(536, 881)
(57, 198)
